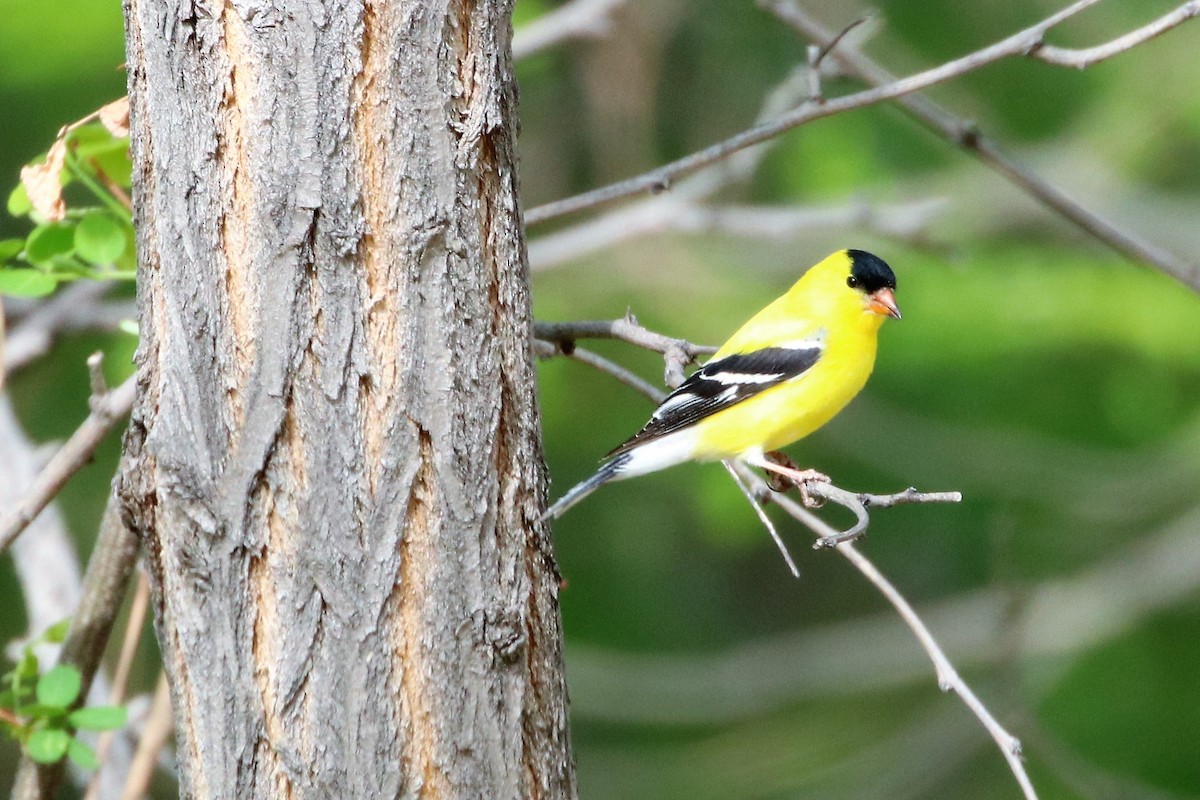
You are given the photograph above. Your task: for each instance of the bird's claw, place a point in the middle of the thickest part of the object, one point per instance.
(789, 474)
(806, 496)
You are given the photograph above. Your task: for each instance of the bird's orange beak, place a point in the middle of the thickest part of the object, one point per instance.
(883, 302)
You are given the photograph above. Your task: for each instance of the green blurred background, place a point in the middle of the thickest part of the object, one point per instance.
(1054, 383)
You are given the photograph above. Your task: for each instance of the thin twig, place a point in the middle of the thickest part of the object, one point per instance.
(1082, 58)
(103, 591)
(858, 502)
(661, 179)
(116, 696)
(967, 135)
(627, 329)
(70, 458)
(677, 353)
(1060, 618)
(762, 516)
(578, 19)
(665, 212)
(947, 677)
(906, 221)
(79, 306)
(611, 368)
(154, 736)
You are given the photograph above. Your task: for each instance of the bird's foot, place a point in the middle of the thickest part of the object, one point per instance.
(784, 473)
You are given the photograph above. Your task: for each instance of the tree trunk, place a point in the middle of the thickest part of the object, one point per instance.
(334, 459)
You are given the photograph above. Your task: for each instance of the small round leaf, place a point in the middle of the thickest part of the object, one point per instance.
(49, 240)
(26, 283)
(48, 745)
(18, 201)
(10, 247)
(99, 238)
(59, 687)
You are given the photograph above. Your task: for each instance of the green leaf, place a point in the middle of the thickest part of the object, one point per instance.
(10, 247)
(82, 755)
(18, 202)
(99, 238)
(48, 745)
(26, 283)
(57, 632)
(59, 687)
(98, 718)
(49, 240)
(8, 698)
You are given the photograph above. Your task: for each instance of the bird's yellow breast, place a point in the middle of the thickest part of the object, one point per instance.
(788, 412)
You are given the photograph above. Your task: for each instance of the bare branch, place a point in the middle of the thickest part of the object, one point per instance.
(662, 178)
(1086, 57)
(858, 502)
(947, 677)
(610, 368)
(578, 19)
(1059, 618)
(762, 516)
(906, 221)
(70, 458)
(685, 209)
(966, 135)
(77, 307)
(625, 329)
(46, 561)
(677, 353)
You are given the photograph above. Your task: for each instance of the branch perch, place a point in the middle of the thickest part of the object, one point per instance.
(677, 353)
(859, 502)
(106, 410)
(947, 676)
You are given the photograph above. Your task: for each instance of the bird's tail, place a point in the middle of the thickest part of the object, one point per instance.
(611, 469)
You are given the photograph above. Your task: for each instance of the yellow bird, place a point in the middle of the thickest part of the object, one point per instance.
(784, 374)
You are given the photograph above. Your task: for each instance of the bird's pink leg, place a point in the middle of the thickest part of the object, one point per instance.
(781, 465)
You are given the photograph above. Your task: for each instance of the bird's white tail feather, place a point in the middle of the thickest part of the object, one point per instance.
(606, 473)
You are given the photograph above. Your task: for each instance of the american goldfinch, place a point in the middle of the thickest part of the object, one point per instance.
(784, 374)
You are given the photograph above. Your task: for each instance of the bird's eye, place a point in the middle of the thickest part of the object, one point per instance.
(852, 282)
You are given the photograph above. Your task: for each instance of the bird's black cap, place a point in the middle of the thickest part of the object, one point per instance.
(870, 272)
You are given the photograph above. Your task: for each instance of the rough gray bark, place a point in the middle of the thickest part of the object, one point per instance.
(334, 459)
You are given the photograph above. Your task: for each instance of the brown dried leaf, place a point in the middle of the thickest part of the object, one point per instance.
(43, 185)
(115, 117)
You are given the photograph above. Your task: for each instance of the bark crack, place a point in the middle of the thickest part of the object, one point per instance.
(420, 749)
(237, 247)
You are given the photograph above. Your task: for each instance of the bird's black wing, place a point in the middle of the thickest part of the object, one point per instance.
(723, 383)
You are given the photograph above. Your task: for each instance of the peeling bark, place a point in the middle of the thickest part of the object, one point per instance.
(334, 460)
